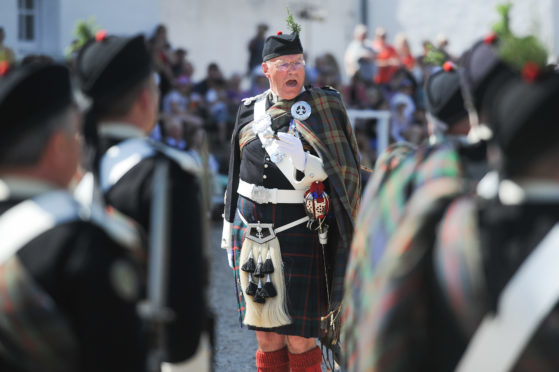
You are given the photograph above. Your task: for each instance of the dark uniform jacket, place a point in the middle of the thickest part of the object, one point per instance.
(326, 132)
(132, 195)
(495, 238)
(69, 298)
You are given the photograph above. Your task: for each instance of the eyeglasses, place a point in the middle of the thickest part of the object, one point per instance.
(286, 66)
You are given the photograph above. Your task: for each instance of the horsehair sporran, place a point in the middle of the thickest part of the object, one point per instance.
(273, 312)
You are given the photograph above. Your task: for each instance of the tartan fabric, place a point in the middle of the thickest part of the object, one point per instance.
(458, 263)
(246, 134)
(328, 130)
(303, 265)
(386, 270)
(34, 335)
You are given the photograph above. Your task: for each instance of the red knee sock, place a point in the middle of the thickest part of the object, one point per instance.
(274, 361)
(309, 361)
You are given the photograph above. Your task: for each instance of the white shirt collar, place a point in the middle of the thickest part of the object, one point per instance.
(13, 187)
(119, 130)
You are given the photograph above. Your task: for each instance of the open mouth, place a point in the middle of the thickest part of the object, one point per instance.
(291, 83)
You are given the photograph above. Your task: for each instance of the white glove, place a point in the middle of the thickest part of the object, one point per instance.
(230, 257)
(292, 146)
(226, 243)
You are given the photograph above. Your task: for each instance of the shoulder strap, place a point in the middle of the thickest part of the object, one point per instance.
(247, 101)
(44, 212)
(119, 227)
(122, 157)
(183, 159)
(526, 300)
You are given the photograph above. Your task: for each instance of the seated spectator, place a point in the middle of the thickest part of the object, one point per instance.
(216, 101)
(174, 130)
(402, 108)
(178, 103)
(355, 93)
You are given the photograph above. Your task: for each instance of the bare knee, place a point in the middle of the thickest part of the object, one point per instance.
(269, 341)
(299, 345)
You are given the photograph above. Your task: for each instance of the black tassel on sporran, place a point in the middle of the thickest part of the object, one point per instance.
(249, 266)
(269, 288)
(259, 296)
(251, 287)
(259, 266)
(268, 266)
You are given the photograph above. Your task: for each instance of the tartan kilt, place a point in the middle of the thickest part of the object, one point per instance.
(303, 265)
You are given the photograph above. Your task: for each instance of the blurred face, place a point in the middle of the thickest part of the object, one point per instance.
(286, 75)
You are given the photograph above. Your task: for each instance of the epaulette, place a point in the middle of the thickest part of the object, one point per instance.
(248, 101)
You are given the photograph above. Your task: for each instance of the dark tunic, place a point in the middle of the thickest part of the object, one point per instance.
(480, 248)
(72, 263)
(301, 253)
(508, 235)
(132, 196)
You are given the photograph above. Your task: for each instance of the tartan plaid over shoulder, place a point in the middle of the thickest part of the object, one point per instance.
(328, 130)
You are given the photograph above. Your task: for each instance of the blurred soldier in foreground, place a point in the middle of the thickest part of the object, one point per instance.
(502, 248)
(401, 204)
(293, 191)
(116, 74)
(69, 289)
(432, 285)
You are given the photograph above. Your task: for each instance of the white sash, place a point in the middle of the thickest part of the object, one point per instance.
(527, 299)
(120, 158)
(27, 220)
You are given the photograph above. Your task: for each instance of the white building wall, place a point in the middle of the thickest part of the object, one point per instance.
(219, 31)
(49, 30)
(8, 20)
(119, 17)
(462, 21)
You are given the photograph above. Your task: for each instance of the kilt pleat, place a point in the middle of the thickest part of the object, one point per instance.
(302, 260)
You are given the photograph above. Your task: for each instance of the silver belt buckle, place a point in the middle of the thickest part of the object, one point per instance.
(260, 194)
(260, 232)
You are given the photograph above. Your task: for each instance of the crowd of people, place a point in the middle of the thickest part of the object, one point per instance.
(377, 76)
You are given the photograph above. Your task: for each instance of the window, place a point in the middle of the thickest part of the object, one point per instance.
(27, 20)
